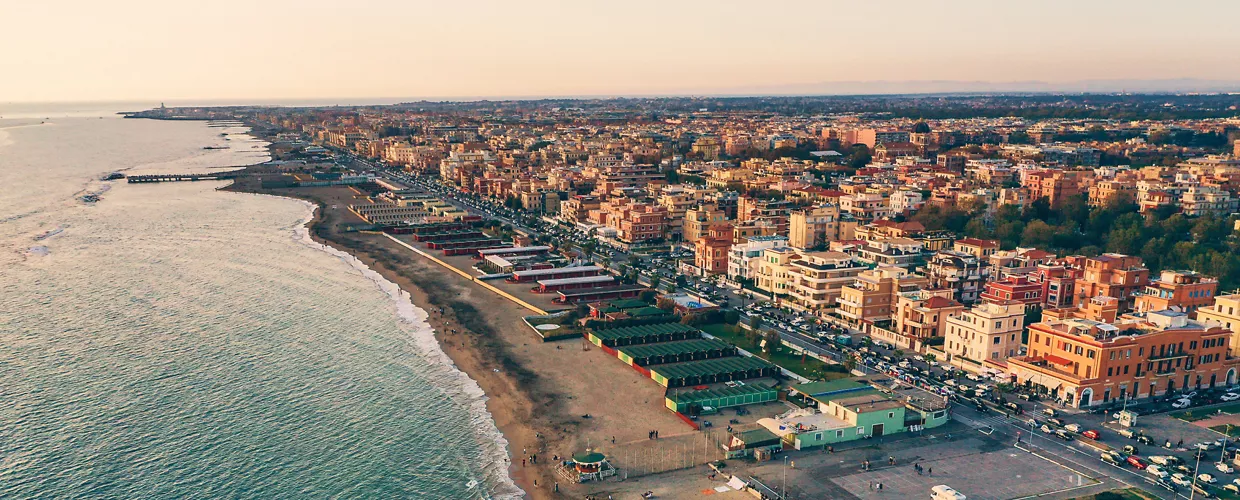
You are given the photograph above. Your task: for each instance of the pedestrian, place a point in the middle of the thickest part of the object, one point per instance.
(880, 486)
(891, 460)
(830, 449)
(535, 483)
(613, 440)
(929, 471)
(556, 487)
(523, 462)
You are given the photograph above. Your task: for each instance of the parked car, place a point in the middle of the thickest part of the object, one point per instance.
(1131, 450)
(1047, 430)
(1050, 412)
(1224, 468)
(1232, 488)
(1161, 460)
(1207, 478)
(1056, 421)
(1181, 479)
(1143, 439)
(1136, 462)
(1061, 434)
(1231, 396)
(1157, 471)
(1092, 434)
(1072, 428)
(1182, 403)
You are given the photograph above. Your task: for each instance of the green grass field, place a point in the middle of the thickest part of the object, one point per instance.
(1204, 413)
(784, 357)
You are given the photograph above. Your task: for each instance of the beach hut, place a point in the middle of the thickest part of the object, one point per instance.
(588, 466)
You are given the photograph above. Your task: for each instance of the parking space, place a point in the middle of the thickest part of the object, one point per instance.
(997, 475)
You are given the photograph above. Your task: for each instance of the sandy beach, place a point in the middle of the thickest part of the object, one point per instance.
(537, 392)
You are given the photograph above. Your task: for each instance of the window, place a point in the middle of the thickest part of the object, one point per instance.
(1125, 369)
(1112, 355)
(1090, 354)
(891, 414)
(860, 431)
(1108, 372)
(996, 341)
(939, 414)
(818, 436)
(839, 433)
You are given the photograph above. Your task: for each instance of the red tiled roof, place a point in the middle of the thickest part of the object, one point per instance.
(937, 302)
(978, 243)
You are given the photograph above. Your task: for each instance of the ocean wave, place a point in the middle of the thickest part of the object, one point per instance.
(495, 445)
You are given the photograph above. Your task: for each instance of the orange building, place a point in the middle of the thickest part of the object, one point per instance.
(1179, 290)
(1113, 275)
(711, 253)
(1084, 363)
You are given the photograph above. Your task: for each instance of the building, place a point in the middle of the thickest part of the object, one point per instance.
(963, 273)
(1058, 285)
(698, 221)
(919, 316)
(813, 227)
(741, 256)
(772, 273)
(901, 252)
(865, 206)
(1084, 362)
(872, 297)
(1224, 313)
(711, 253)
(975, 247)
(816, 279)
(1015, 289)
(1112, 275)
(847, 410)
(984, 336)
(1184, 291)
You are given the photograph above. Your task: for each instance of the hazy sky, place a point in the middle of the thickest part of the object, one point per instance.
(268, 49)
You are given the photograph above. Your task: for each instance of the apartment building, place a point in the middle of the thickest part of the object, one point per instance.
(1112, 275)
(698, 220)
(873, 295)
(711, 252)
(975, 247)
(1056, 185)
(741, 256)
(1207, 200)
(772, 272)
(963, 273)
(922, 314)
(817, 278)
(812, 227)
(865, 206)
(1084, 362)
(902, 252)
(1225, 313)
(1058, 284)
(984, 336)
(1014, 289)
(1108, 191)
(577, 208)
(1184, 291)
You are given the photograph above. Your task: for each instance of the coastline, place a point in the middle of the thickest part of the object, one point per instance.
(503, 400)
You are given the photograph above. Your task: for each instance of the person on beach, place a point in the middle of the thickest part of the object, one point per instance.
(929, 471)
(523, 462)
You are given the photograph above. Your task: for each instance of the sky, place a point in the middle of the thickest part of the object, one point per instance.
(87, 50)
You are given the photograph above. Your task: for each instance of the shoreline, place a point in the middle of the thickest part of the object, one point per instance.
(506, 403)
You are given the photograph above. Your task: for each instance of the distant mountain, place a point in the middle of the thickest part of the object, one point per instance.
(1176, 85)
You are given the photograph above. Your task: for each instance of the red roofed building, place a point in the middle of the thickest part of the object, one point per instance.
(1015, 288)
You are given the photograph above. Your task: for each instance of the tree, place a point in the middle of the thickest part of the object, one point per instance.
(681, 280)
(755, 322)
(772, 341)
(666, 304)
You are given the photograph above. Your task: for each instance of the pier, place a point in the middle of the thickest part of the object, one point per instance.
(133, 179)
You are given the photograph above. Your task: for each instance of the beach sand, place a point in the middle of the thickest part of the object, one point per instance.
(537, 392)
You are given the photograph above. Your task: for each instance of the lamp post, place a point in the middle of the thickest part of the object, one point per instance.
(1193, 490)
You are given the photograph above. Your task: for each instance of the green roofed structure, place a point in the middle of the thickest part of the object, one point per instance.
(643, 334)
(721, 397)
(627, 304)
(675, 352)
(711, 371)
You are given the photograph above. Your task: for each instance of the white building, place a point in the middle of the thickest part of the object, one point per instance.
(741, 254)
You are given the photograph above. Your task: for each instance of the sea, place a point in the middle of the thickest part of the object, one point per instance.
(174, 341)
